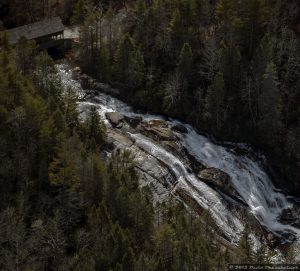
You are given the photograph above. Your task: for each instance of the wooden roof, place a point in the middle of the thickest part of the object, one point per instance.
(36, 30)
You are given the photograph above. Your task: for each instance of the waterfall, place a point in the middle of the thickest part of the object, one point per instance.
(247, 175)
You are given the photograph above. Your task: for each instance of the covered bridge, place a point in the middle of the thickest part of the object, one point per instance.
(46, 33)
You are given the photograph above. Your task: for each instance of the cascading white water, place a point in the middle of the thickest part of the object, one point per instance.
(247, 176)
(203, 194)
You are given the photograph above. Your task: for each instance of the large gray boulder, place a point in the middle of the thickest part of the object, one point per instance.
(115, 118)
(220, 180)
(215, 176)
(157, 130)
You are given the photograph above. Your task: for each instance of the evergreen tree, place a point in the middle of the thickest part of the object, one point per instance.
(136, 70)
(110, 17)
(129, 63)
(26, 51)
(185, 63)
(270, 121)
(93, 128)
(246, 247)
(216, 103)
(64, 170)
(176, 31)
(80, 11)
(124, 58)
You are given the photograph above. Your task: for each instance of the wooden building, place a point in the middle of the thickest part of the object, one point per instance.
(44, 32)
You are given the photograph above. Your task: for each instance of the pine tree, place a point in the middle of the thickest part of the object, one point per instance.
(215, 103)
(136, 70)
(123, 58)
(176, 31)
(210, 61)
(165, 245)
(93, 179)
(246, 247)
(64, 170)
(254, 17)
(129, 63)
(80, 11)
(26, 51)
(226, 10)
(185, 63)
(270, 121)
(110, 18)
(93, 128)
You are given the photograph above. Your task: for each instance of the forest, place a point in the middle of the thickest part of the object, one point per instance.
(229, 68)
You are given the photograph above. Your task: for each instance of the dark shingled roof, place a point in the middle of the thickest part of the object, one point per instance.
(36, 30)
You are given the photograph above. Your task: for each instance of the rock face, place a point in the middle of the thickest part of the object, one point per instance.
(114, 118)
(221, 180)
(215, 176)
(157, 130)
(185, 195)
(151, 172)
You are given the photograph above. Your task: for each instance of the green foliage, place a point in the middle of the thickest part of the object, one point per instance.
(246, 247)
(270, 122)
(123, 57)
(215, 102)
(80, 11)
(185, 62)
(62, 206)
(26, 51)
(129, 63)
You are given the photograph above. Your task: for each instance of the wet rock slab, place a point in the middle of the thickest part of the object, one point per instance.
(115, 118)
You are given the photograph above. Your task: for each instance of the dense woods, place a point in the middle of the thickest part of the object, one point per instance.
(231, 68)
(63, 207)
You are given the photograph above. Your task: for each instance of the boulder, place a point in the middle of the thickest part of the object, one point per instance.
(163, 134)
(158, 130)
(220, 180)
(158, 133)
(114, 118)
(157, 123)
(180, 128)
(215, 176)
